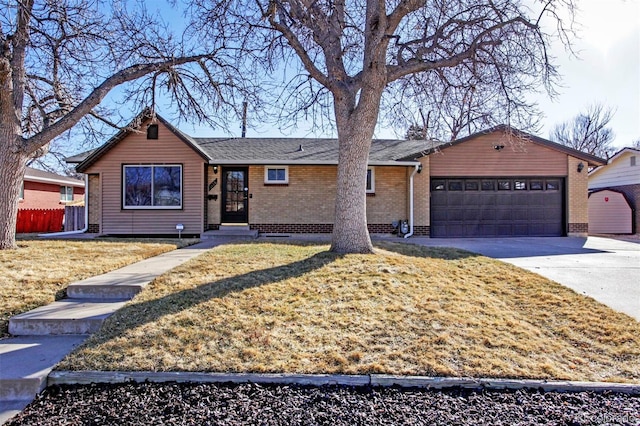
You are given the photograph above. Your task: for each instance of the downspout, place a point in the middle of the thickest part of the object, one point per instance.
(86, 214)
(415, 170)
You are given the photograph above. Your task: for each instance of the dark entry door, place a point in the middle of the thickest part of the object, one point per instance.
(235, 195)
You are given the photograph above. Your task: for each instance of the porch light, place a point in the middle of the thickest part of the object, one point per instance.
(580, 167)
(215, 170)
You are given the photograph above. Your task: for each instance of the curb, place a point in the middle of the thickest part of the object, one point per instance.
(423, 382)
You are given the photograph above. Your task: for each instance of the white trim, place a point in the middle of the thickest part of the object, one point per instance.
(306, 163)
(372, 190)
(276, 181)
(416, 170)
(79, 184)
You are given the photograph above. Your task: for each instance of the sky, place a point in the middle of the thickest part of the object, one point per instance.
(605, 71)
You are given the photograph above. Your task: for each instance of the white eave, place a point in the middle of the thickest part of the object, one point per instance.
(62, 182)
(306, 163)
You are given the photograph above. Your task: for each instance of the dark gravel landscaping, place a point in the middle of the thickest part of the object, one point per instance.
(244, 404)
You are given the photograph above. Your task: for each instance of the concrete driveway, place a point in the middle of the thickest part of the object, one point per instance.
(605, 269)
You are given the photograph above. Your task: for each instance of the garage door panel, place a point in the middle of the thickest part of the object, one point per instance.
(497, 207)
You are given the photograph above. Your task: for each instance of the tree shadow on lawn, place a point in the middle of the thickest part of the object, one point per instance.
(145, 312)
(415, 250)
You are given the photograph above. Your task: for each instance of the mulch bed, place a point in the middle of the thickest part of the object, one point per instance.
(242, 404)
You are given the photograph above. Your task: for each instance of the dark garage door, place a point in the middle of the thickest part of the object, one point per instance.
(497, 207)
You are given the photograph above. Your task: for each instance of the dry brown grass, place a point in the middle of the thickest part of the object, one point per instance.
(38, 272)
(405, 310)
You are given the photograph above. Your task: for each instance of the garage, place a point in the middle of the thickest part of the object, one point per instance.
(497, 207)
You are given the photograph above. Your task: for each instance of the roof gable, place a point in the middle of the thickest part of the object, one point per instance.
(504, 129)
(94, 155)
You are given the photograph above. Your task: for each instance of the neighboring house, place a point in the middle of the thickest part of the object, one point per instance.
(621, 175)
(501, 182)
(46, 190)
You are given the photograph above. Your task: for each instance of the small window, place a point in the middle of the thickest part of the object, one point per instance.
(276, 175)
(454, 185)
(504, 185)
(66, 193)
(21, 195)
(552, 185)
(437, 185)
(371, 181)
(471, 185)
(488, 185)
(633, 160)
(152, 187)
(520, 185)
(152, 131)
(536, 185)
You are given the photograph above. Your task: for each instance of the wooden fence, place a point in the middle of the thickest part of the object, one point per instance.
(33, 220)
(73, 218)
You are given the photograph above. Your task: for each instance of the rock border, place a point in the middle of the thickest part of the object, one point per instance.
(383, 380)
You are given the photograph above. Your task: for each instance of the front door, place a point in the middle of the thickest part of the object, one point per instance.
(235, 195)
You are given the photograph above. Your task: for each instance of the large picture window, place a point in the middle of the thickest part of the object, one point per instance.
(152, 187)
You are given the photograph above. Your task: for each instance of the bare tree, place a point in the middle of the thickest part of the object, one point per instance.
(342, 57)
(587, 132)
(636, 144)
(60, 59)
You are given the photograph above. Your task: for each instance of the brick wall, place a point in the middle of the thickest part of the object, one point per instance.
(38, 195)
(577, 194)
(306, 204)
(94, 203)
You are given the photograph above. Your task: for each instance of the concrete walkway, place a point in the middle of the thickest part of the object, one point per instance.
(46, 335)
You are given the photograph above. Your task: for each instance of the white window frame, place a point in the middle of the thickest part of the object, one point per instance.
(151, 207)
(65, 198)
(372, 190)
(276, 181)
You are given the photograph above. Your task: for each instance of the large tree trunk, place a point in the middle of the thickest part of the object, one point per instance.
(355, 130)
(12, 167)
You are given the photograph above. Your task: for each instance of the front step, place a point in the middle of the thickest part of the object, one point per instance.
(231, 231)
(26, 363)
(117, 285)
(64, 317)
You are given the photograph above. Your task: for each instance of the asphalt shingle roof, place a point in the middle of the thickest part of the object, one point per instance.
(299, 150)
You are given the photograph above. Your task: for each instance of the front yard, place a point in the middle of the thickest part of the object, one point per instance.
(39, 271)
(260, 307)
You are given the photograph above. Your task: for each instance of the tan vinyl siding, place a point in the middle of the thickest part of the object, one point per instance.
(136, 149)
(478, 157)
(609, 213)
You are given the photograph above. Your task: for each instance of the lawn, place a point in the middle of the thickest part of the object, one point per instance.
(260, 307)
(38, 272)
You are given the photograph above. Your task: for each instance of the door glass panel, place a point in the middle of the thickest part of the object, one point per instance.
(235, 191)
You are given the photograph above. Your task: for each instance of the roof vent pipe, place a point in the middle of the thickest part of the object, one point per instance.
(300, 148)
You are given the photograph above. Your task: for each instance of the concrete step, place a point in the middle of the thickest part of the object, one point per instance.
(26, 362)
(230, 232)
(66, 316)
(116, 285)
